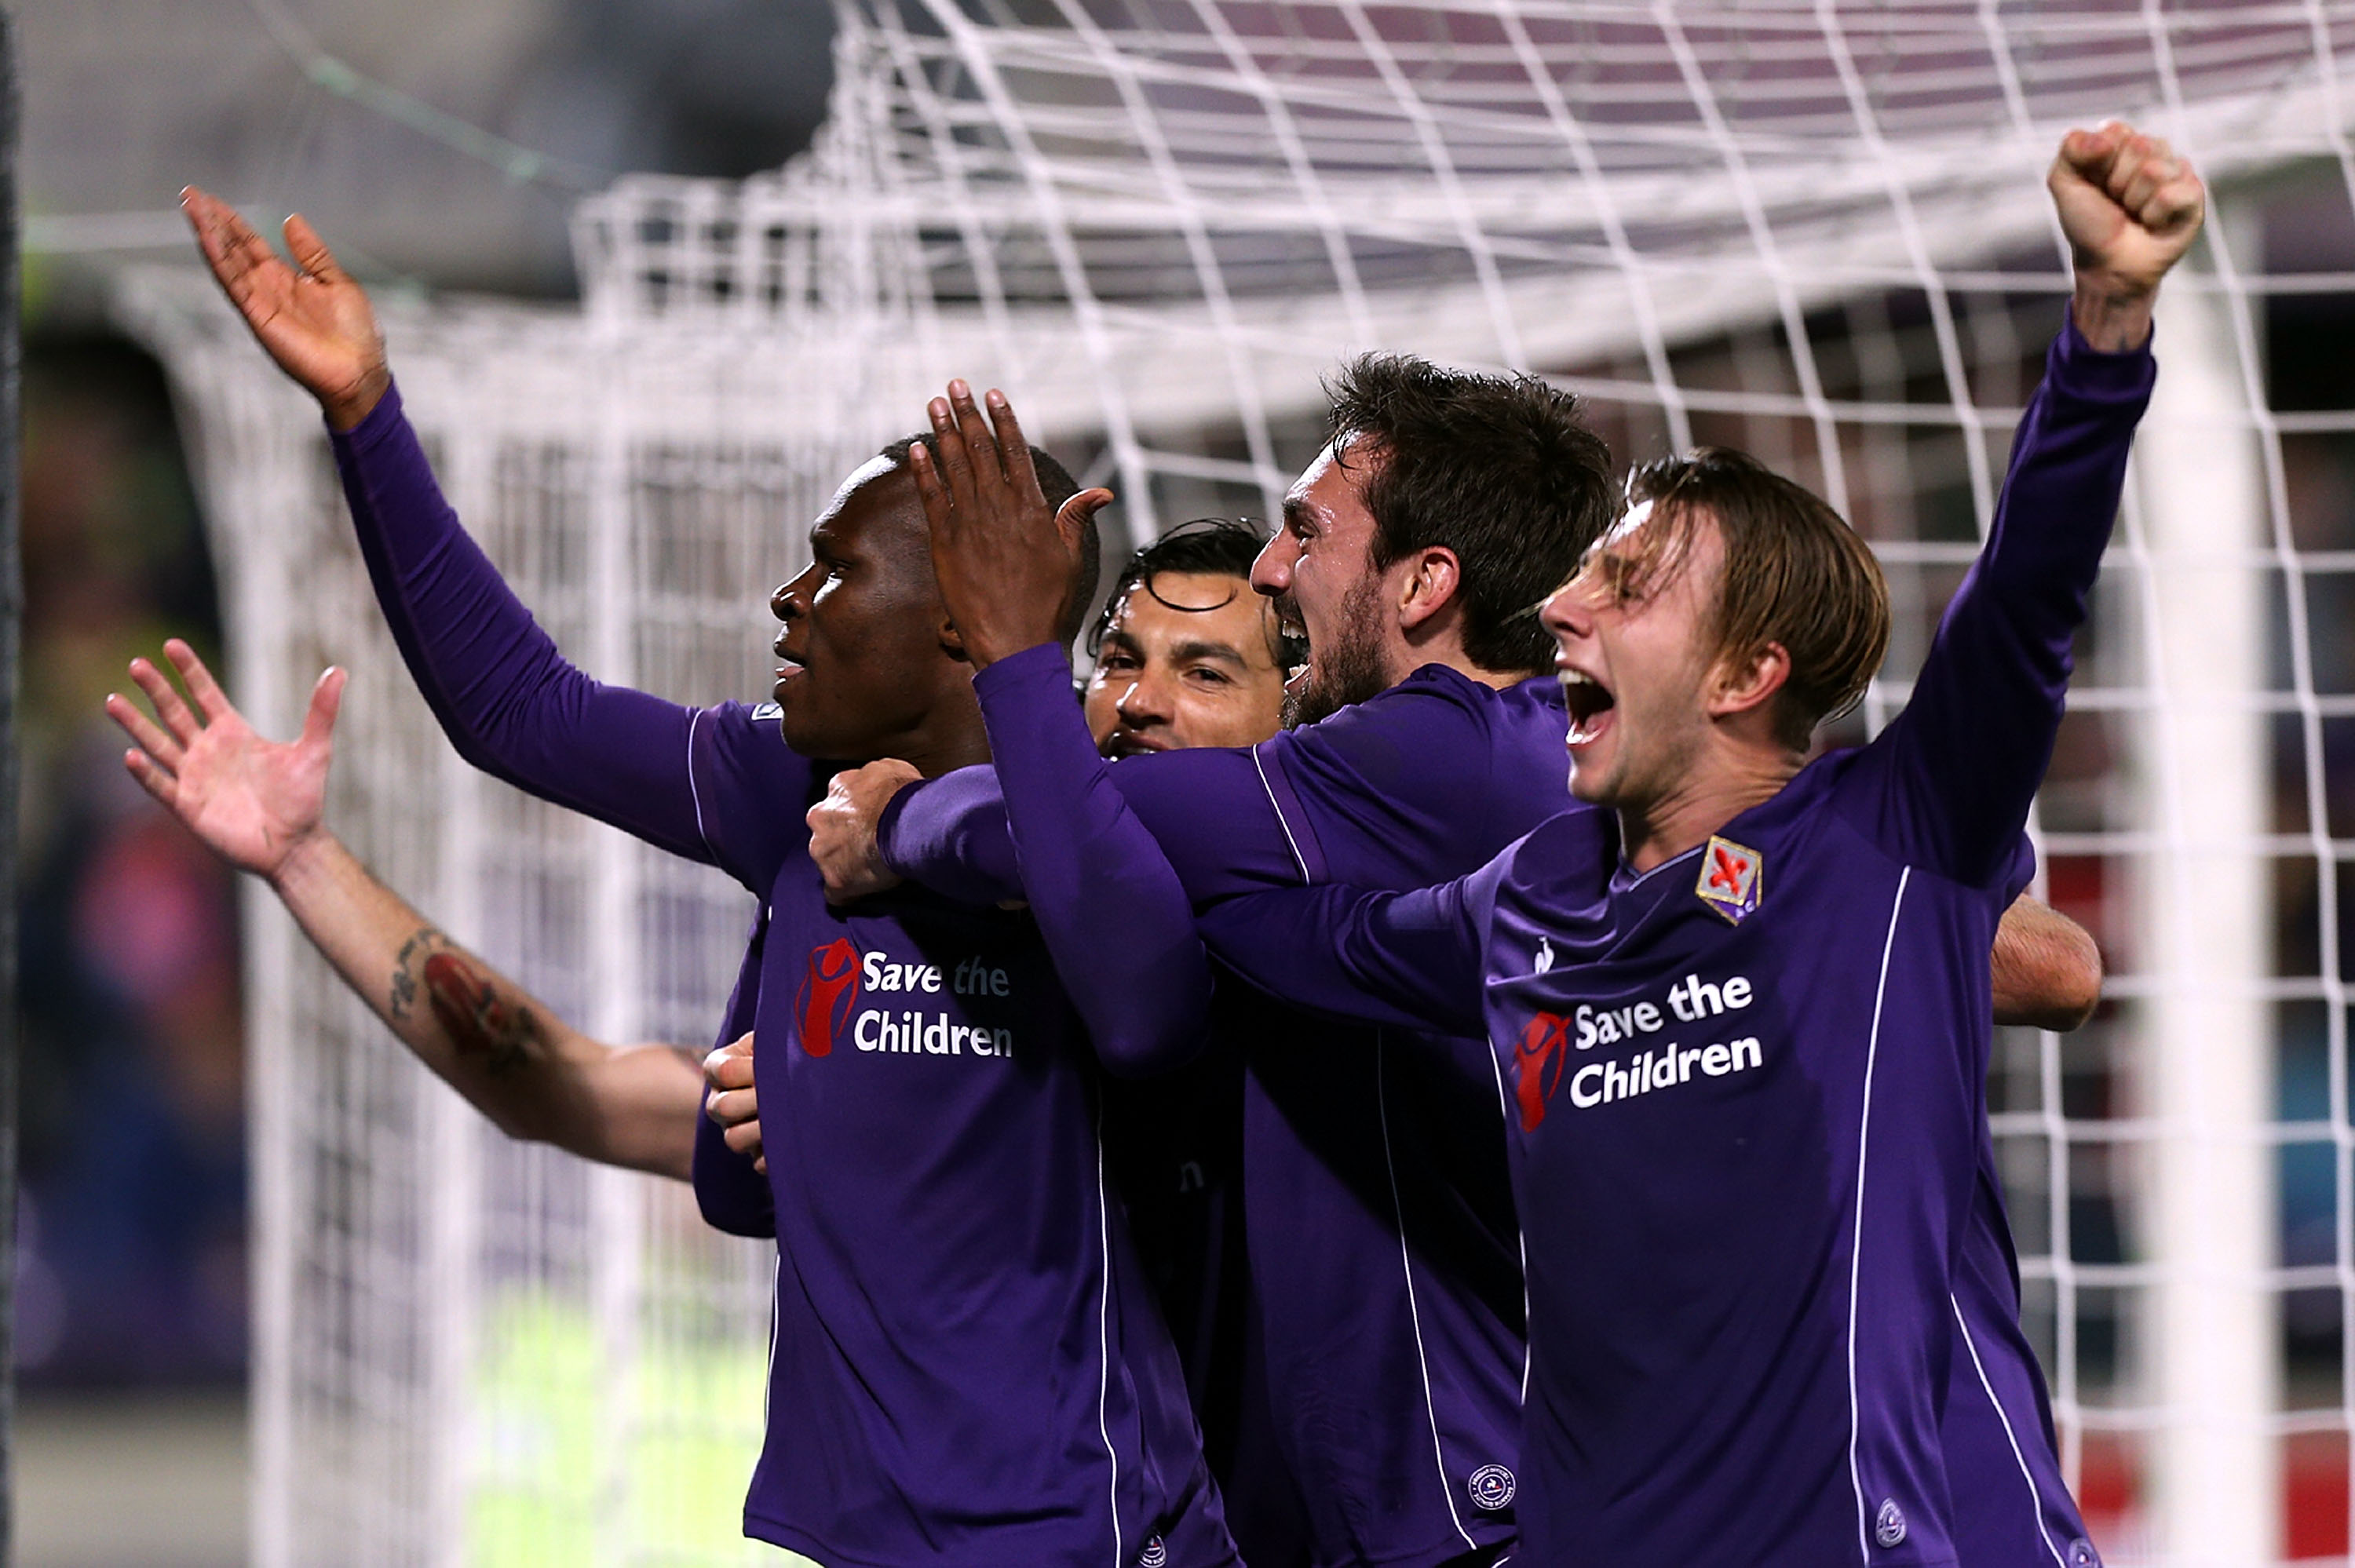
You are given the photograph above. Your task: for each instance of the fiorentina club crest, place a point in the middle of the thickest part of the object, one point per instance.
(1732, 879)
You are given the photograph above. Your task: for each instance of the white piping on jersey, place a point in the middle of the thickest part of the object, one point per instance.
(1521, 1238)
(693, 794)
(2035, 1498)
(1644, 876)
(1414, 1312)
(1103, 1341)
(776, 1290)
(1855, 1246)
(1293, 844)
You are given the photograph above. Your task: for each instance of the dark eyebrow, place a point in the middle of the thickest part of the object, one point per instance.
(1219, 652)
(1115, 637)
(1296, 515)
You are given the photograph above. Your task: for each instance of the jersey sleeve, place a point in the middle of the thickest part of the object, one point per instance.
(1413, 961)
(1949, 783)
(1108, 906)
(510, 702)
(1209, 810)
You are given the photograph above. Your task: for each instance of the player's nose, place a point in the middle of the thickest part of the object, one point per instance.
(1566, 613)
(1142, 704)
(1271, 570)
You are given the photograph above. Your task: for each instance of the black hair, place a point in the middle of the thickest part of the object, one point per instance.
(1498, 468)
(1211, 546)
(1056, 483)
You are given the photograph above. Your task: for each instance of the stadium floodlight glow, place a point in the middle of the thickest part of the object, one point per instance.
(1813, 230)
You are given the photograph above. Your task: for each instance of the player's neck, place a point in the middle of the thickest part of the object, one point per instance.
(1717, 789)
(1410, 655)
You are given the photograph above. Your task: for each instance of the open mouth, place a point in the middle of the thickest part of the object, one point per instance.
(788, 667)
(1589, 702)
(1123, 742)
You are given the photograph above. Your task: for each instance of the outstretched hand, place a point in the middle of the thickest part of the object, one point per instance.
(1008, 566)
(253, 801)
(316, 322)
(2130, 208)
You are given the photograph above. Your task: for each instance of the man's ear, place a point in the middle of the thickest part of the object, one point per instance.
(951, 640)
(1747, 686)
(1431, 577)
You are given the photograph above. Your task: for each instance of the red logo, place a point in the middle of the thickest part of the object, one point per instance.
(1537, 1065)
(828, 993)
(1732, 879)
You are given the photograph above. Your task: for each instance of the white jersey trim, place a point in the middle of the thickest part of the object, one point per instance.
(694, 794)
(1103, 1342)
(1414, 1311)
(1274, 805)
(2035, 1498)
(1856, 1244)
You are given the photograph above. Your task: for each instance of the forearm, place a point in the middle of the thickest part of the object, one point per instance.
(507, 698)
(1409, 960)
(2047, 969)
(534, 1077)
(1108, 904)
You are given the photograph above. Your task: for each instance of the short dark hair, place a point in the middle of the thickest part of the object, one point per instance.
(1496, 468)
(1056, 482)
(1793, 573)
(1211, 546)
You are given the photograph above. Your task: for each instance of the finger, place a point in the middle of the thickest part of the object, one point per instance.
(143, 731)
(311, 252)
(929, 491)
(988, 462)
(2088, 152)
(1013, 450)
(726, 1069)
(730, 1108)
(956, 458)
(209, 700)
(170, 711)
(327, 702)
(2132, 154)
(744, 1139)
(230, 243)
(2179, 205)
(153, 778)
(1077, 515)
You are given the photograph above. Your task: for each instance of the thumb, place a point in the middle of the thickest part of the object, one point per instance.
(311, 252)
(1074, 518)
(327, 700)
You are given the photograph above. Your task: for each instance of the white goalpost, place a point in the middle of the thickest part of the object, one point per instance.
(1815, 230)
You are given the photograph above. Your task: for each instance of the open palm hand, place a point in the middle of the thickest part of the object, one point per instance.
(253, 801)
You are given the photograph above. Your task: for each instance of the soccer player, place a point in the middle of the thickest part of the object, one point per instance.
(259, 805)
(1381, 1232)
(1744, 996)
(966, 1365)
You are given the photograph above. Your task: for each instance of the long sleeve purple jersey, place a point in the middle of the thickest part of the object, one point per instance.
(966, 1366)
(1766, 1258)
(1382, 1249)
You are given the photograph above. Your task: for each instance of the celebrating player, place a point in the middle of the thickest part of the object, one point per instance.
(1744, 997)
(1381, 1232)
(968, 1366)
(259, 804)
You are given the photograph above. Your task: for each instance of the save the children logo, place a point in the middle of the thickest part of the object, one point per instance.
(1537, 1064)
(829, 991)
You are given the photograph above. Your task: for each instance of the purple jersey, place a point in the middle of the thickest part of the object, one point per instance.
(966, 1365)
(1383, 1255)
(1750, 1145)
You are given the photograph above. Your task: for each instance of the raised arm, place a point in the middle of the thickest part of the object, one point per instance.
(1952, 778)
(257, 804)
(1108, 904)
(507, 698)
(2047, 968)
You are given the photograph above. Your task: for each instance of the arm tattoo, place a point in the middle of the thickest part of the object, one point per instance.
(484, 1026)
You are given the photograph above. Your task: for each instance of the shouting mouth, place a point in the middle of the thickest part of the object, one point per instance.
(1590, 703)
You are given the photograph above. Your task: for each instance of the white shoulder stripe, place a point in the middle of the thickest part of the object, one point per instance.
(1274, 805)
(2035, 1498)
(694, 794)
(1856, 1244)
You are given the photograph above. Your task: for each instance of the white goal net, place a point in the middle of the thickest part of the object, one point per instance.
(1816, 231)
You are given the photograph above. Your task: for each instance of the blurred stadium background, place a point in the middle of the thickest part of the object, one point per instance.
(1814, 230)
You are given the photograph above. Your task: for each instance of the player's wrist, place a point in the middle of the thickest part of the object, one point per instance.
(305, 859)
(347, 406)
(2113, 310)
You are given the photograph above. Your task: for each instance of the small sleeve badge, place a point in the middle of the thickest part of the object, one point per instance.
(1732, 879)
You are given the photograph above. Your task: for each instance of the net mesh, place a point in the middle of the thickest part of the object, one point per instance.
(1815, 231)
